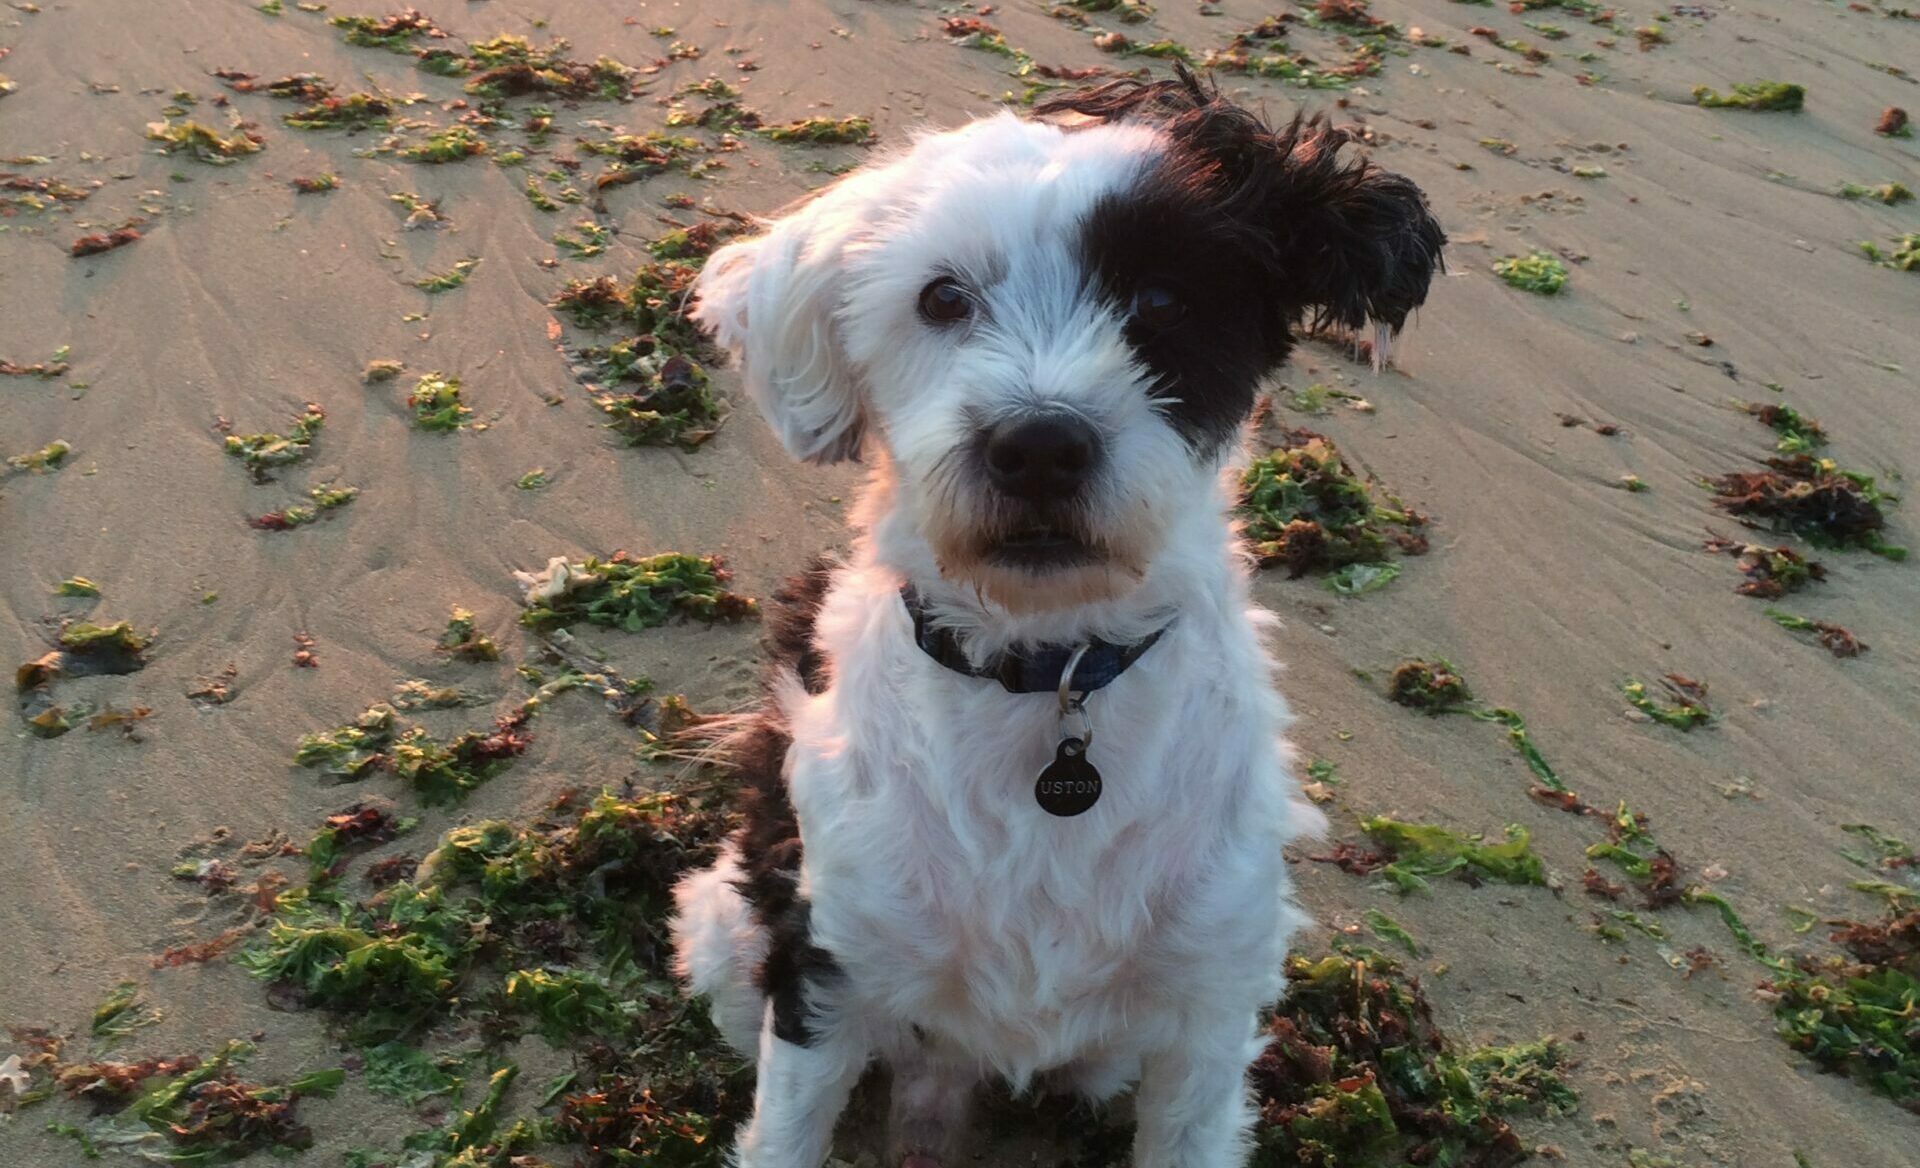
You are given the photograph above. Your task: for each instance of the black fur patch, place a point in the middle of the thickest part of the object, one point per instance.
(1256, 229)
(769, 840)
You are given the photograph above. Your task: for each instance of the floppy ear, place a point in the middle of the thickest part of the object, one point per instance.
(771, 300)
(1355, 242)
(1343, 240)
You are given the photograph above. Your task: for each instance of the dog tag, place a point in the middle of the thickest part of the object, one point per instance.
(1070, 784)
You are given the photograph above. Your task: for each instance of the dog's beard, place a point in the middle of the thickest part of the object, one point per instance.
(1035, 559)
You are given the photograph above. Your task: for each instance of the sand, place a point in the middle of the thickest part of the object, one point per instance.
(1548, 584)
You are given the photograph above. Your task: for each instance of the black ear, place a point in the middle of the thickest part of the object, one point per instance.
(1344, 242)
(1356, 242)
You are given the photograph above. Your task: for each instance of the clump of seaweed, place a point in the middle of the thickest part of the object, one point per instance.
(316, 184)
(1303, 506)
(852, 130)
(1539, 272)
(1893, 123)
(1771, 572)
(1852, 1013)
(629, 592)
(1684, 705)
(1833, 638)
(1890, 193)
(382, 369)
(84, 649)
(436, 403)
(1905, 256)
(592, 304)
(396, 33)
(450, 279)
(193, 1111)
(325, 500)
(50, 457)
(104, 241)
(1798, 433)
(1754, 95)
(350, 751)
(453, 144)
(591, 240)
(641, 156)
(444, 772)
(206, 145)
(356, 111)
(675, 405)
(464, 640)
(368, 823)
(1357, 1072)
(1812, 498)
(262, 452)
(1411, 853)
(1429, 686)
(509, 66)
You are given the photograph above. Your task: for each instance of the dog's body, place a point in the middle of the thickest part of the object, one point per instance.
(1049, 439)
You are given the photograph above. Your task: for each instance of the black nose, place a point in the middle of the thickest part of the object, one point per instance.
(1043, 457)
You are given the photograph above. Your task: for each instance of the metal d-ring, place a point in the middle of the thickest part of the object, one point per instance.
(1071, 703)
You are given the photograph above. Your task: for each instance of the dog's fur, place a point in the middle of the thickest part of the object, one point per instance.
(897, 894)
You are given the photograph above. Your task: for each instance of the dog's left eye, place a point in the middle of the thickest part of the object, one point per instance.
(1157, 307)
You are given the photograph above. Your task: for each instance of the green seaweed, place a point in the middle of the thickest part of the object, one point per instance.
(675, 405)
(447, 281)
(1753, 95)
(1417, 852)
(463, 640)
(400, 1070)
(1539, 272)
(352, 750)
(1386, 928)
(1833, 638)
(77, 586)
(591, 241)
(819, 131)
(1890, 193)
(121, 1014)
(356, 111)
(1685, 705)
(436, 403)
(453, 144)
(1814, 499)
(1798, 434)
(396, 33)
(49, 457)
(631, 592)
(262, 451)
(1905, 256)
(1303, 506)
(203, 144)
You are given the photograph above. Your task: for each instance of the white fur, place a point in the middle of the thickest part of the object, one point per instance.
(977, 934)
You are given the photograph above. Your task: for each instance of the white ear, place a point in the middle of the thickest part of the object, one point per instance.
(771, 301)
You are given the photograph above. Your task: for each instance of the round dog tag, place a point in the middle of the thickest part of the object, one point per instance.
(1070, 784)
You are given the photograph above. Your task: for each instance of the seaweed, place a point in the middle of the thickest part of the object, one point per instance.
(640, 156)
(1771, 572)
(396, 33)
(1386, 928)
(1303, 506)
(262, 452)
(366, 824)
(45, 370)
(1356, 1072)
(1836, 640)
(1754, 95)
(436, 403)
(1358, 579)
(1890, 193)
(122, 1013)
(818, 131)
(450, 279)
(1798, 433)
(1415, 852)
(1685, 704)
(1905, 256)
(1852, 1013)
(206, 145)
(50, 457)
(382, 370)
(399, 1070)
(676, 407)
(443, 773)
(1812, 498)
(509, 66)
(78, 586)
(1429, 686)
(352, 750)
(464, 641)
(453, 144)
(318, 184)
(629, 592)
(591, 241)
(356, 111)
(105, 241)
(325, 499)
(1539, 272)
(534, 479)
(1893, 123)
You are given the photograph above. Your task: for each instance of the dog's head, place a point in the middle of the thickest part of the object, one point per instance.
(1053, 329)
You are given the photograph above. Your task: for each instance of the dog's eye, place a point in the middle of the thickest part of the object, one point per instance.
(1157, 308)
(945, 301)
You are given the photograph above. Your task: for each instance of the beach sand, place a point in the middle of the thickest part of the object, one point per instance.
(1548, 584)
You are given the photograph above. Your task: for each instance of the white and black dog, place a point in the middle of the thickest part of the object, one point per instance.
(1019, 793)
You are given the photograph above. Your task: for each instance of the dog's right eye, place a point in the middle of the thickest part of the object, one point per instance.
(945, 301)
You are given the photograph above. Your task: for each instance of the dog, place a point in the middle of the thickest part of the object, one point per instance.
(1018, 793)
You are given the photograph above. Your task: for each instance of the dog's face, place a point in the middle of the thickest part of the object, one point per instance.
(1054, 332)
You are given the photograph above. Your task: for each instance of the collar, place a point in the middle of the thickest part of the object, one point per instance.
(1034, 670)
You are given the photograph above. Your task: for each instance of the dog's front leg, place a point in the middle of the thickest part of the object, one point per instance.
(1192, 1104)
(799, 1093)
